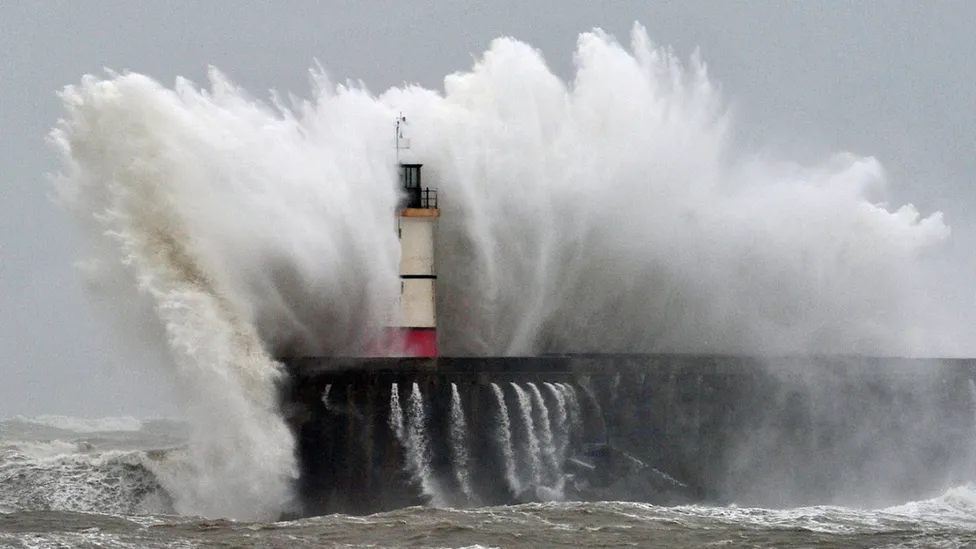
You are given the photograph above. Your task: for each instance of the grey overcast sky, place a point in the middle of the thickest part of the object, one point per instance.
(891, 79)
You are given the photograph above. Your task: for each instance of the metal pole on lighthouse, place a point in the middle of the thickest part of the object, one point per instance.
(401, 121)
(417, 215)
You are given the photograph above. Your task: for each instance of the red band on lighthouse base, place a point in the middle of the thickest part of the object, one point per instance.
(406, 342)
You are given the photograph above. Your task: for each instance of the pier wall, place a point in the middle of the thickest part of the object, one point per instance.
(658, 428)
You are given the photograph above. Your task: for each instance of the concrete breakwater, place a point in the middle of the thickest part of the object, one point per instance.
(376, 434)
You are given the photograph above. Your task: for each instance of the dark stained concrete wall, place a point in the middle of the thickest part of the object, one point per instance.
(754, 431)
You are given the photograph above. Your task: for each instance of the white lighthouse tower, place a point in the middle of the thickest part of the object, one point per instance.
(415, 321)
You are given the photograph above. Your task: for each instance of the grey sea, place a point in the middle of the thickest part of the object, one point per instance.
(68, 482)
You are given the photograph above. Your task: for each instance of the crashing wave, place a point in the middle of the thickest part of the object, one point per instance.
(226, 232)
(41, 477)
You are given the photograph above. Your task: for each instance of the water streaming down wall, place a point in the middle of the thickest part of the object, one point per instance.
(662, 429)
(561, 435)
(397, 423)
(459, 445)
(418, 448)
(503, 434)
(551, 468)
(532, 464)
(572, 406)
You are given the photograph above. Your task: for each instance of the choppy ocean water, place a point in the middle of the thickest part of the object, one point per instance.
(66, 482)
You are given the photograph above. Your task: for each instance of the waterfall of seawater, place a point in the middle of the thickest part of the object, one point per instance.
(418, 445)
(325, 397)
(459, 443)
(396, 415)
(531, 440)
(561, 433)
(574, 416)
(411, 434)
(553, 467)
(504, 431)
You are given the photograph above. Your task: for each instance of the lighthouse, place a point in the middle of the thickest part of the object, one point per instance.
(415, 321)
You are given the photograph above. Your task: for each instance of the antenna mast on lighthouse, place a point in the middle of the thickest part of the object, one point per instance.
(401, 142)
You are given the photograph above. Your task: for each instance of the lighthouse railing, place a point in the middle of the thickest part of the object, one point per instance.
(428, 198)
